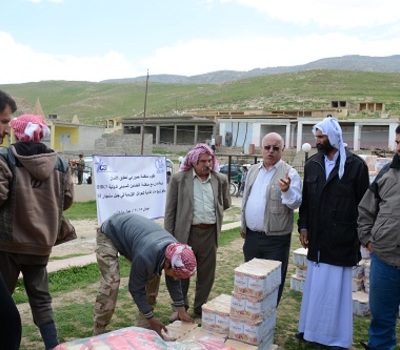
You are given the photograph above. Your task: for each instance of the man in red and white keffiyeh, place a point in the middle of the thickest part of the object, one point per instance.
(30, 127)
(182, 260)
(196, 199)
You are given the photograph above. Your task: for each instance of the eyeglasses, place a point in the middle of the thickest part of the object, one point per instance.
(274, 148)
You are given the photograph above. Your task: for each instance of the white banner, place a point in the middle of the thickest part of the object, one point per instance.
(130, 184)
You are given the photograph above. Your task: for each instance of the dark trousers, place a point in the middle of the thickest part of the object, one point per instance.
(258, 245)
(204, 245)
(80, 177)
(10, 320)
(34, 272)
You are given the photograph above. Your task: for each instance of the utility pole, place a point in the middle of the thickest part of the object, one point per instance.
(144, 112)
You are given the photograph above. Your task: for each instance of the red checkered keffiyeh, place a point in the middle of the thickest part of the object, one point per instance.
(182, 259)
(194, 155)
(30, 127)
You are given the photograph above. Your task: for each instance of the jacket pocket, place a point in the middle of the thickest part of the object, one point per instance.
(311, 182)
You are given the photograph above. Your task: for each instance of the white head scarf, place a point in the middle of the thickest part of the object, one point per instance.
(331, 128)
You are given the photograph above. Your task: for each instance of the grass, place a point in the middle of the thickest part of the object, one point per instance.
(82, 211)
(74, 291)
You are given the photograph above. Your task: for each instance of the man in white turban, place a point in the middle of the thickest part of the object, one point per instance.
(335, 181)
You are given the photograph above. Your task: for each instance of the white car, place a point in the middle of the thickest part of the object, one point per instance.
(88, 171)
(170, 165)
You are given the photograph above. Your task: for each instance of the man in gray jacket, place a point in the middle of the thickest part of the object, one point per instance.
(378, 230)
(150, 249)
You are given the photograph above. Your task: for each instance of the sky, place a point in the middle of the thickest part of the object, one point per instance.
(95, 40)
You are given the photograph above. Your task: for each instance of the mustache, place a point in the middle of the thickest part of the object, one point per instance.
(206, 168)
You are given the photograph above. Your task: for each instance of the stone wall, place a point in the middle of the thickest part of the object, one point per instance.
(126, 144)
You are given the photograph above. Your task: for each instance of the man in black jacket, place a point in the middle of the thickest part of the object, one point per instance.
(10, 320)
(35, 188)
(335, 180)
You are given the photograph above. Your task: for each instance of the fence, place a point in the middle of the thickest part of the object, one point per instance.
(232, 160)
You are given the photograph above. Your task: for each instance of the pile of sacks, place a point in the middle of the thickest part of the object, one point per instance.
(136, 338)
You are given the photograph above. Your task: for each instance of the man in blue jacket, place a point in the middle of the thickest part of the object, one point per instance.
(150, 249)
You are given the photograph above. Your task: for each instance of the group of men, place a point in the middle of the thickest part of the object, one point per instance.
(334, 201)
(35, 188)
(338, 210)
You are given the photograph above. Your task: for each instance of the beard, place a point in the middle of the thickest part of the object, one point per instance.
(325, 148)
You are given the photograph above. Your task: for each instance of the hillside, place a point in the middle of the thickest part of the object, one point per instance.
(390, 64)
(93, 102)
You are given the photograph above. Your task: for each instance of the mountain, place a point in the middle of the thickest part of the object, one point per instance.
(309, 89)
(390, 64)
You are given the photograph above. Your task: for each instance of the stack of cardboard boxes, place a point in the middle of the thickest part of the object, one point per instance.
(253, 302)
(360, 281)
(375, 164)
(246, 319)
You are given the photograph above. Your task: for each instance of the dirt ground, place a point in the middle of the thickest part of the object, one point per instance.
(84, 244)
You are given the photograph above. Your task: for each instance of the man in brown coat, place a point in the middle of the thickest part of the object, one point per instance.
(196, 199)
(35, 187)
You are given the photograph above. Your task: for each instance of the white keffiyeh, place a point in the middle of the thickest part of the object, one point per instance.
(331, 128)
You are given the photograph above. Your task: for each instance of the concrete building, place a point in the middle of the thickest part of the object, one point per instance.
(173, 130)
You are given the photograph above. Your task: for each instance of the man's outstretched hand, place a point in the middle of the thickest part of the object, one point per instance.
(157, 325)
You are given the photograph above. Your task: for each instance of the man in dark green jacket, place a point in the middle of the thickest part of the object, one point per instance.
(150, 249)
(378, 229)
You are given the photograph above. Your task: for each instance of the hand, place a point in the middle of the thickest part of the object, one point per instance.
(369, 247)
(284, 183)
(243, 232)
(157, 325)
(183, 315)
(304, 238)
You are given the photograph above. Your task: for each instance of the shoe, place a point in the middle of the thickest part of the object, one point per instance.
(198, 313)
(299, 335)
(364, 345)
(174, 317)
(97, 330)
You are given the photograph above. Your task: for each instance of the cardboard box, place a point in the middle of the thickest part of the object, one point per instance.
(252, 308)
(300, 257)
(258, 277)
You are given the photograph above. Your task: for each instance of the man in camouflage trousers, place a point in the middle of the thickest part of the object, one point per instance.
(150, 249)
